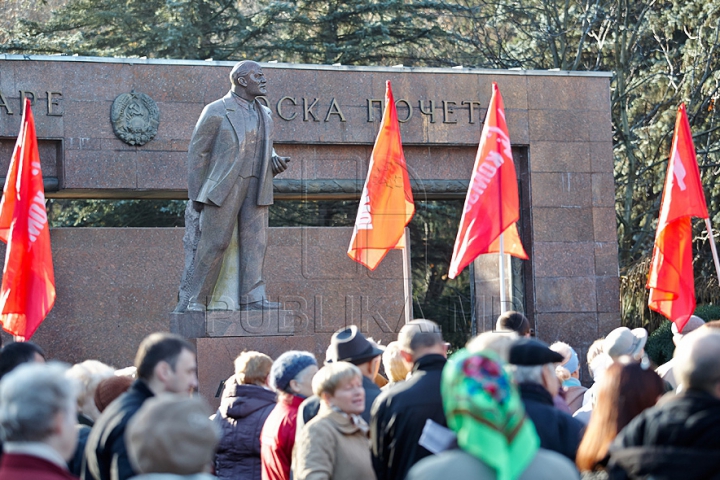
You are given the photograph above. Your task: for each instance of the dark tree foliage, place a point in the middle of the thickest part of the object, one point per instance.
(437, 297)
(153, 28)
(357, 31)
(309, 31)
(116, 213)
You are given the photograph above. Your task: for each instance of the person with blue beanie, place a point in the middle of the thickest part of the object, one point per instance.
(568, 372)
(291, 376)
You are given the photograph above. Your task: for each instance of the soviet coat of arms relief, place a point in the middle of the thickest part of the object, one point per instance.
(135, 118)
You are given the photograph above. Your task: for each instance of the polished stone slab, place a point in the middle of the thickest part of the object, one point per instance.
(233, 323)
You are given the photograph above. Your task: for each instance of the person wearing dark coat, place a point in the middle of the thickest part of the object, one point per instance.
(165, 364)
(245, 405)
(400, 413)
(75, 464)
(534, 370)
(105, 448)
(557, 430)
(680, 436)
(349, 345)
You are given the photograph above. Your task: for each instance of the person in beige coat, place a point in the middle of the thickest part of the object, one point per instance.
(334, 444)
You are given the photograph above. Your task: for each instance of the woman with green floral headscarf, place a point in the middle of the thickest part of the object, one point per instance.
(496, 439)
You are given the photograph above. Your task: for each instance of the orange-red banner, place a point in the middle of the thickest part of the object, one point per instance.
(386, 203)
(491, 205)
(671, 280)
(28, 284)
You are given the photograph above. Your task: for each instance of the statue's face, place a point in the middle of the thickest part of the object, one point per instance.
(255, 83)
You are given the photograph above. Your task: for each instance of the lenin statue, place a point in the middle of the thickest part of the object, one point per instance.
(231, 165)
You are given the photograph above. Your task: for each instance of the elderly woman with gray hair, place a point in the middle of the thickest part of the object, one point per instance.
(334, 444)
(37, 418)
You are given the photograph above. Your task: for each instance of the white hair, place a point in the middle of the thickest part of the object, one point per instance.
(562, 372)
(498, 342)
(531, 374)
(563, 349)
(31, 396)
(599, 366)
(88, 375)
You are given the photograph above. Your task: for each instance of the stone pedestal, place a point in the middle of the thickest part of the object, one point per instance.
(215, 357)
(233, 323)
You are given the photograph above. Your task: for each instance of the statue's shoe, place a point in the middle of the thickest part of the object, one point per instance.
(263, 304)
(195, 307)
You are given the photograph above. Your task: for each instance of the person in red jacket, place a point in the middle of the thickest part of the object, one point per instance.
(38, 418)
(291, 376)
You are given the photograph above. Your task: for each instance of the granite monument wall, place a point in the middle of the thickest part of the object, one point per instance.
(117, 285)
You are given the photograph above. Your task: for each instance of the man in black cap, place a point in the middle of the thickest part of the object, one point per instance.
(534, 371)
(349, 345)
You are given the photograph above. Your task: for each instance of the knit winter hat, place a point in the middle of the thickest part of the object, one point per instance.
(288, 366)
(483, 407)
(571, 362)
(109, 389)
(172, 434)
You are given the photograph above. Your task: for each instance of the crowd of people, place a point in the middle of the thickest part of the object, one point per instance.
(506, 406)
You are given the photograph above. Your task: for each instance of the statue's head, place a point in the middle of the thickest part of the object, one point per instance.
(248, 80)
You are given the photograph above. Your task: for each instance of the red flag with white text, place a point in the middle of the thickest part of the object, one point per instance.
(386, 203)
(491, 206)
(28, 284)
(671, 280)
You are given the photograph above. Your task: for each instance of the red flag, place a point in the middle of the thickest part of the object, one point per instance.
(28, 284)
(491, 205)
(386, 203)
(671, 280)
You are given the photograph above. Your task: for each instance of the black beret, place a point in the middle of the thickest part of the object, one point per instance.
(530, 352)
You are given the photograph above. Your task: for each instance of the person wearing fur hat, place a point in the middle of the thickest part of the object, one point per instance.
(172, 438)
(291, 376)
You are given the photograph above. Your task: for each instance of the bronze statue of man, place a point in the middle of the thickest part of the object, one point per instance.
(231, 165)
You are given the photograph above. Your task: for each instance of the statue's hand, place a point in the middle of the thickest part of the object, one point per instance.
(279, 164)
(197, 206)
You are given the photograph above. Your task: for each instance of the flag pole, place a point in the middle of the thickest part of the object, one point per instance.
(502, 275)
(712, 248)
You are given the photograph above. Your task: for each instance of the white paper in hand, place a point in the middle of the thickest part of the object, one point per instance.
(436, 438)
